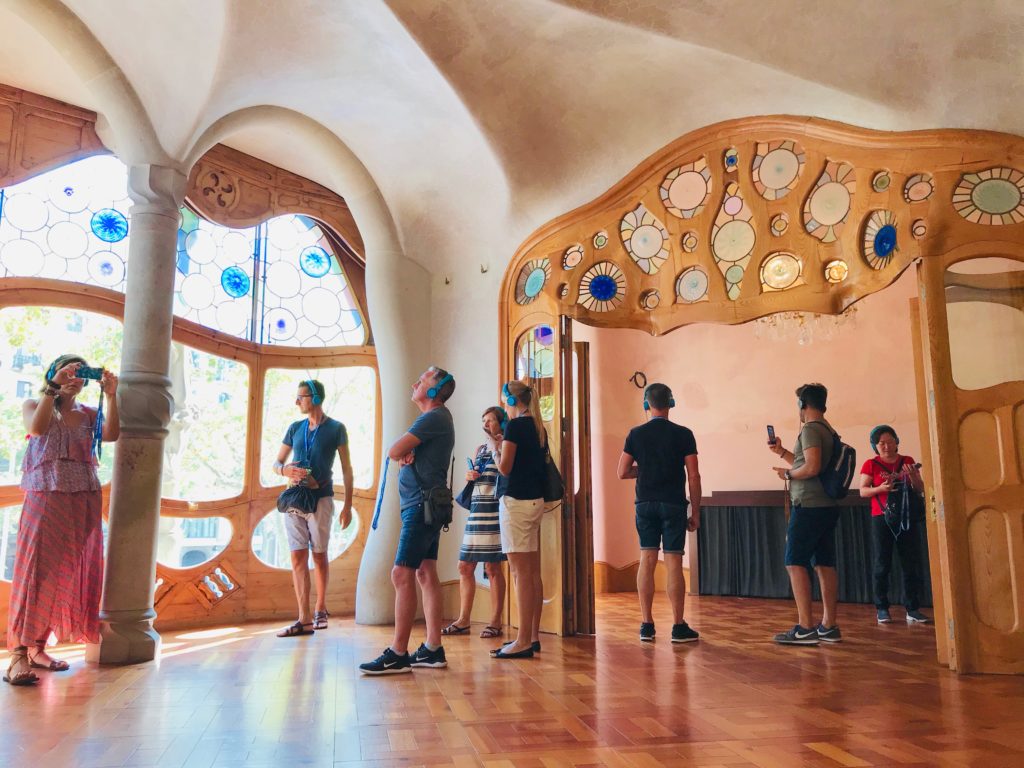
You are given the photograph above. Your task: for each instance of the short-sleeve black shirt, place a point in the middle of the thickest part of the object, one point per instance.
(526, 479)
(660, 449)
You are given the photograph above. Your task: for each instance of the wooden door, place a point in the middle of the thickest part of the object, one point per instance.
(973, 314)
(578, 478)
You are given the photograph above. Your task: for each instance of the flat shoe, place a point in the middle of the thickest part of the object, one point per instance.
(454, 629)
(526, 653)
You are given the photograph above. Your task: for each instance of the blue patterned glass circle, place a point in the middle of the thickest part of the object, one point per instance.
(315, 261)
(109, 225)
(885, 240)
(603, 288)
(234, 282)
(534, 282)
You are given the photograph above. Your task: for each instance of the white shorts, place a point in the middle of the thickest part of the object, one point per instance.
(519, 521)
(312, 529)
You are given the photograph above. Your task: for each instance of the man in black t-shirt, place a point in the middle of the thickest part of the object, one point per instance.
(662, 455)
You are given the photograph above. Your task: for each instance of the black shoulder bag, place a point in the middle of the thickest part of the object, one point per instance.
(554, 488)
(437, 502)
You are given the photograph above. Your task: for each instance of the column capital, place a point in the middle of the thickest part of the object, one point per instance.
(156, 187)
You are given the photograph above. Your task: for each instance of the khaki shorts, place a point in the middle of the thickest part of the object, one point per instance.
(311, 530)
(519, 521)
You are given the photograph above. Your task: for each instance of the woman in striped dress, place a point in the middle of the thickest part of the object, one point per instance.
(481, 542)
(58, 565)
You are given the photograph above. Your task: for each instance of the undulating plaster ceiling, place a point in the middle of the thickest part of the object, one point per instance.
(481, 119)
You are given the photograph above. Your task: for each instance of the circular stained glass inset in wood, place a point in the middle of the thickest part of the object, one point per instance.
(993, 196)
(919, 229)
(600, 240)
(918, 188)
(602, 287)
(563, 290)
(779, 223)
(692, 285)
(836, 271)
(645, 239)
(731, 159)
(780, 271)
(650, 300)
(689, 241)
(572, 257)
(734, 241)
(881, 181)
(880, 239)
(531, 280)
(830, 203)
(106, 268)
(776, 168)
(686, 189)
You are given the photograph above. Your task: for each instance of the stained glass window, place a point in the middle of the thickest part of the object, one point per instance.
(535, 364)
(68, 224)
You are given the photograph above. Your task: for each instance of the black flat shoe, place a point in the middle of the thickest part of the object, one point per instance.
(524, 654)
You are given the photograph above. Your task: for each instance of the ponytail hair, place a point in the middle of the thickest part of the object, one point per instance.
(525, 394)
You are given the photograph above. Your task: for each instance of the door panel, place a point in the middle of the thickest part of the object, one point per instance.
(974, 315)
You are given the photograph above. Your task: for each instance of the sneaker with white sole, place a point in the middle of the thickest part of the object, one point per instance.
(830, 635)
(424, 657)
(916, 617)
(388, 663)
(883, 616)
(647, 632)
(798, 636)
(684, 633)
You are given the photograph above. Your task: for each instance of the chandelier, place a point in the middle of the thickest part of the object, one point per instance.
(804, 327)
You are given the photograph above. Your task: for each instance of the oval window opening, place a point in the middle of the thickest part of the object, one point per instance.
(270, 539)
(185, 542)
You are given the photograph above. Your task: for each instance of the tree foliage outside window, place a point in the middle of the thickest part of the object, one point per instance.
(351, 399)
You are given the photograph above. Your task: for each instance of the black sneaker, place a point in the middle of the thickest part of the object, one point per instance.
(883, 616)
(388, 663)
(424, 657)
(798, 636)
(682, 633)
(831, 635)
(916, 617)
(647, 632)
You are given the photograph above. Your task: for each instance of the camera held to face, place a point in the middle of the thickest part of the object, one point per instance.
(85, 372)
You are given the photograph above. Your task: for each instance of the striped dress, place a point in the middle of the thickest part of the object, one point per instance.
(58, 566)
(481, 542)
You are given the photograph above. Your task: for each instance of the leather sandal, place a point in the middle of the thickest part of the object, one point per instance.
(26, 676)
(295, 630)
(454, 629)
(320, 620)
(491, 631)
(55, 665)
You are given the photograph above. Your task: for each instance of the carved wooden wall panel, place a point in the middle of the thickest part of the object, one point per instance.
(761, 215)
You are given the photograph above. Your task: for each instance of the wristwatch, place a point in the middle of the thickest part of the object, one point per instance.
(788, 475)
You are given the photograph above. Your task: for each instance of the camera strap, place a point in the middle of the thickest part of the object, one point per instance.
(97, 433)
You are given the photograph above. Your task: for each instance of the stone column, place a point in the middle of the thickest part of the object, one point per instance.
(145, 405)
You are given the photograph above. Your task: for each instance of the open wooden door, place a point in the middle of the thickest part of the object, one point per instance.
(972, 306)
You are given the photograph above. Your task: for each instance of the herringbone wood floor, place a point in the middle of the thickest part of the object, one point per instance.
(240, 696)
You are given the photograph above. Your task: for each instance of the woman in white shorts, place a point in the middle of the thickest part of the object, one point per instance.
(520, 458)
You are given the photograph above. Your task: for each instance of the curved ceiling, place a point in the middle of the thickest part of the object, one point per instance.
(480, 120)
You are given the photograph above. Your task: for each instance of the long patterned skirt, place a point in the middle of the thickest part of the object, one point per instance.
(58, 569)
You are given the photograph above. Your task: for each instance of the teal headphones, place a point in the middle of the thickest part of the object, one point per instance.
(435, 390)
(314, 394)
(503, 421)
(510, 399)
(671, 399)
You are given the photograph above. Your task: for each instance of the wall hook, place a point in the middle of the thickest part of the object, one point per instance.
(484, 269)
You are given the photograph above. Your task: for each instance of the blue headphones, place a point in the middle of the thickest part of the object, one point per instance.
(52, 371)
(503, 422)
(435, 390)
(671, 399)
(510, 399)
(315, 395)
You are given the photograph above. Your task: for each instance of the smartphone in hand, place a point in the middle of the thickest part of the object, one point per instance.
(771, 434)
(470, 464)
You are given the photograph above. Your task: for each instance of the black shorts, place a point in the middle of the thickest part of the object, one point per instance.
(811, 536)
(417, 542)
(657, 520)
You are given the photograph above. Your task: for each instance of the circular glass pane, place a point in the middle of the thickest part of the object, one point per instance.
(109, 225)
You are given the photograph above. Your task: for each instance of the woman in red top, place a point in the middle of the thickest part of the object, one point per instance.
(878, 476)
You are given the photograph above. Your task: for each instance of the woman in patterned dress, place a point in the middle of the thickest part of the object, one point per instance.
(481, 542)
(58, 565)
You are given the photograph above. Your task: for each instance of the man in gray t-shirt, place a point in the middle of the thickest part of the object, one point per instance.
(424, 453)
(810, 535)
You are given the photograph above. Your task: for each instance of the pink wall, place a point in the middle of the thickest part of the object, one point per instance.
(728, 384)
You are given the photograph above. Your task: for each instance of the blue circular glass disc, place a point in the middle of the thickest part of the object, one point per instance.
(603, 288)
(534, 282)
(234, 282)
(885, 240)
(315, 261)
(109, 225)
(544, 334)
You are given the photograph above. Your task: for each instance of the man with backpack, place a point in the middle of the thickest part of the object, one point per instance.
(816, 478)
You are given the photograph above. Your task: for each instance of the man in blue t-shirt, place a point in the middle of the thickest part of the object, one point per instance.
(314, 441)
(662, 456)
(424, 452)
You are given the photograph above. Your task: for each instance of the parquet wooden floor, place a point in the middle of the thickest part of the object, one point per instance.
(239, 696)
